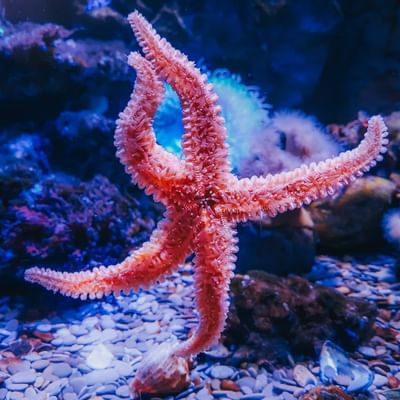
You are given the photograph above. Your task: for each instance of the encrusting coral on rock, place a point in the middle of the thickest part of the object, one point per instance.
(204, 201)
(272, 316)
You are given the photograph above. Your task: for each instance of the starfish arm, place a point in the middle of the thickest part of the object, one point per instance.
(150, 166)
(249, 198)
(215, 248)
(168, 247)
(203, 142)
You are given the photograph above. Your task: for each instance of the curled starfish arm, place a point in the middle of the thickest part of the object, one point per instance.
(215, 248)
(150, 166)
(165, 368)
(168, 247)
(203, 142)
(275, 194)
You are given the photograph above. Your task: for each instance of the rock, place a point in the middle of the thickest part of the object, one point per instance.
(157, 360)
(40, 365)
(55, 388)
(152, 327)
(325, 393)
(61, 370)
(303, 376)
(204, 394)
(284, 387)
(380, 380)
(100, 357)
(106, 389)
(247, 382)
(70, 396)
(19, 367)
(353, 220)
(107, 322)
(92, 337)
(218, 352)
(391, 394)
(221, 372)
(280, 246)
(27, 377)
(367, 351)
(100, 376)
(272, 315)
(393, 382)
(252, 396)
(77, 383)
(123, 391)
(227, 384)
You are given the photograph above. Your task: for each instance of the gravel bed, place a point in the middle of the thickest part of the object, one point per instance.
(93, 351)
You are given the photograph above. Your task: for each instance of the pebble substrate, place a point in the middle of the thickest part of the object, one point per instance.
(93, 351)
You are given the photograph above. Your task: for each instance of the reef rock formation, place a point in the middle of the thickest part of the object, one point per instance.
(272, 316)
(353, 220)
(67, 223)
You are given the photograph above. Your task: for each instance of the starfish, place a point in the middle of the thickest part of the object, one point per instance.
(204, 201)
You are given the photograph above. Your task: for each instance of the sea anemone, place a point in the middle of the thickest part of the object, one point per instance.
(258, 144)
(391, 226)
(244, 109)
(291, 139)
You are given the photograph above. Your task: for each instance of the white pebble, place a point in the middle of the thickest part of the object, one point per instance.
(100, 357)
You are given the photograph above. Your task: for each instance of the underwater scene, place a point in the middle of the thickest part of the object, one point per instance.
(200, 199)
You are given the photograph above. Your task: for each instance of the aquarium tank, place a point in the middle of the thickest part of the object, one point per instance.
(200, 200)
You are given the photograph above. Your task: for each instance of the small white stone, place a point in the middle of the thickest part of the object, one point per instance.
(303, 376)
(100, 357)
(152, 327)
(93, 336)
(26, 377)
(176, 299)
(100, 377)
(63, 332)
(107, 322)
(221, 372)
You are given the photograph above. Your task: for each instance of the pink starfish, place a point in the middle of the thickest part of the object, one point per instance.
(203, 199)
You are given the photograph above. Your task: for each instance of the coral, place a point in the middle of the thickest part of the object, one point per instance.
(46, 64)
(304, 136)
(76, 136)
(274, 316)
(69, 223)
(35, 38)
(349, 135)
(23, 163)
(295, 51)
(204, 200)
(290, 140)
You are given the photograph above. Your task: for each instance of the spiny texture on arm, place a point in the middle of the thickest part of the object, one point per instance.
(273, 194)
(151, 167)
(203, 142)
(215, 248)
(168, 247)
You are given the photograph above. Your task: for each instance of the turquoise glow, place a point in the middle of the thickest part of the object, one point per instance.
(244, 110)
